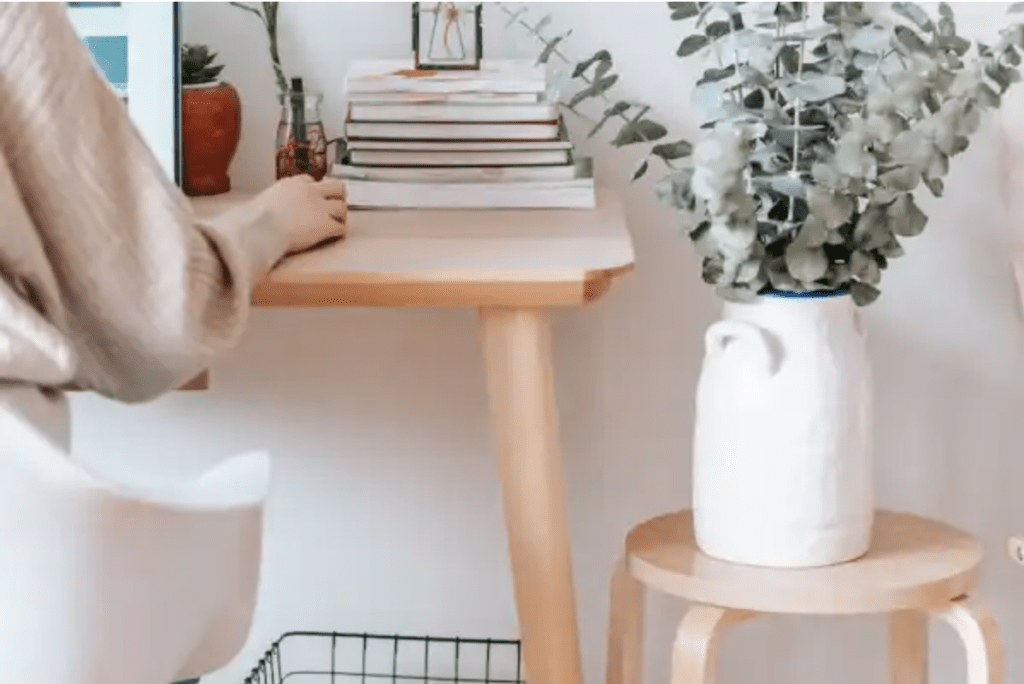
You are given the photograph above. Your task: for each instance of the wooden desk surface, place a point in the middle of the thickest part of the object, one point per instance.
(529, 257)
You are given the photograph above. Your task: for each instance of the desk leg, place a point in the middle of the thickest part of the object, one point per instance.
(517, 351)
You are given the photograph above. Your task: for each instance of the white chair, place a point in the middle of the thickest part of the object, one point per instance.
(102, 585)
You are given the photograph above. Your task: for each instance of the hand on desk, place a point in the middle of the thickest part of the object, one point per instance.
(312, 212)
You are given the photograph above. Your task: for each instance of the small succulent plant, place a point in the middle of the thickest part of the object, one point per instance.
(822, 123)
(197, 65)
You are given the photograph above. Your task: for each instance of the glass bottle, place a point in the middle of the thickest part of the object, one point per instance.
(301, 141)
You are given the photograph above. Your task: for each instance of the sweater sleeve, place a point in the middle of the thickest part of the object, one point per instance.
(146, 293)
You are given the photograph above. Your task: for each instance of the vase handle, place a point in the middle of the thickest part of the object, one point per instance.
(719, 334)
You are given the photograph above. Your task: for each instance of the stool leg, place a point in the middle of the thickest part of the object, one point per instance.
(625, 628)
(982, 639)
(908, 647)
(696, 647)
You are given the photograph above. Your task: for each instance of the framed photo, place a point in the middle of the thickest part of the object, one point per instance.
(447, 35)
(137, 45)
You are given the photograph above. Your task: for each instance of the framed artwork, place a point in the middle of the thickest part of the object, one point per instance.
(137, 45)
(447, 35)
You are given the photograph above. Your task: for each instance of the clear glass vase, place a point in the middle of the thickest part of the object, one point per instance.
(301, 140)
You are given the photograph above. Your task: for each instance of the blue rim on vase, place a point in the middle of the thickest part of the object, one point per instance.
(817, 294)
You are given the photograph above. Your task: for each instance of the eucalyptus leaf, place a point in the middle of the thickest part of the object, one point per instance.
(914, 13)
(717, 29)
(549, 49)
(905, 218)
(901, 178)
(642, 130)
(871, 38)
(832, 208)
(935, 186)
(814, 88)
(691, 44)
(713, 75)
(683, 10)
(813, 233)
(593, 90)
(640, 170)
(1016, 7)
(602, 56)
(909, 39)
(673, 150)
(863, 293)
(806, 264)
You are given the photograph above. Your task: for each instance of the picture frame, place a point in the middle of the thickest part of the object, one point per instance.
(137, 46)
(447, 35)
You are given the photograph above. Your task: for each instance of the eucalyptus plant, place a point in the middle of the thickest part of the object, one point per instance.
(267, 13)
(821, 127)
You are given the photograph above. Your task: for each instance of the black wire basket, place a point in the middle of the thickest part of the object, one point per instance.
(349, 658)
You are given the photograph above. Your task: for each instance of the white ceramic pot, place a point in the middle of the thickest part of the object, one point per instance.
(782, 459)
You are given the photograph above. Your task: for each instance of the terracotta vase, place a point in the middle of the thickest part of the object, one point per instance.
(211, 123)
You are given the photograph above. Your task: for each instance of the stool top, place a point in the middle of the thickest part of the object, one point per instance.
(913, 562)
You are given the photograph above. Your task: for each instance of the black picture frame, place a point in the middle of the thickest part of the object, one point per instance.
(478, 42)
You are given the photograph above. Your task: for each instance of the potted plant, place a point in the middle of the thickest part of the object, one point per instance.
(823, 124)
(211, 122)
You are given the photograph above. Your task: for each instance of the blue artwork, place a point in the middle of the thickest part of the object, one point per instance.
(111, 53)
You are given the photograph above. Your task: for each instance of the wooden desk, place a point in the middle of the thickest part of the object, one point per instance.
(512, 266)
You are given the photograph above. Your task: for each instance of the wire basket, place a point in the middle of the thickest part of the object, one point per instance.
(348, 658)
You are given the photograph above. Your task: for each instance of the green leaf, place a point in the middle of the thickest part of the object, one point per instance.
(593, 90)
(901, 179)
(814, 88)
(712, 269)
(641, 170)
(905, 217)
(549, 49)
(935, 185)
(599, 56)
(833, 208)
(683, 10)
(865, 268)
(542, 24)
(615, 110)
(911, 40)
(691, 44)
(958, 45)
(914, 13)
(863, 293)
(643, 130)
(1010, 54)
(717, 29)
(813, 233)
(713, 75)
(1016, 7)
(806, 264)
(673, 150)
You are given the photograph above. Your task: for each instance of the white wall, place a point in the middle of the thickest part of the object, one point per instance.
(385, 512)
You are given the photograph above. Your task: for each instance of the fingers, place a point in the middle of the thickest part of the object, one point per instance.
(333, 188)
(337, 208)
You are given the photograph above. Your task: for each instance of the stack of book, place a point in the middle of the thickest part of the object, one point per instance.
(486, 138)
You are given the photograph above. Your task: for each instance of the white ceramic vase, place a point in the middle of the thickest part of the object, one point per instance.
(782, 460)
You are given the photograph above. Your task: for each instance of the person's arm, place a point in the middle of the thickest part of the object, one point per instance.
(147, 294)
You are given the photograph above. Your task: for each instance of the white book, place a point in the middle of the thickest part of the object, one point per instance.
(462, 174)
(477, 97)
(446, 112)
(578, 193)
(506, 158)
(400, 75)
(456, 145)
(452, 131)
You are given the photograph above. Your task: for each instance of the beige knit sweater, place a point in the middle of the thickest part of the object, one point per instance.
(107, 279)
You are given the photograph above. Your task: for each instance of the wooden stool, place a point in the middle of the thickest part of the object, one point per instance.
(916, 568)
